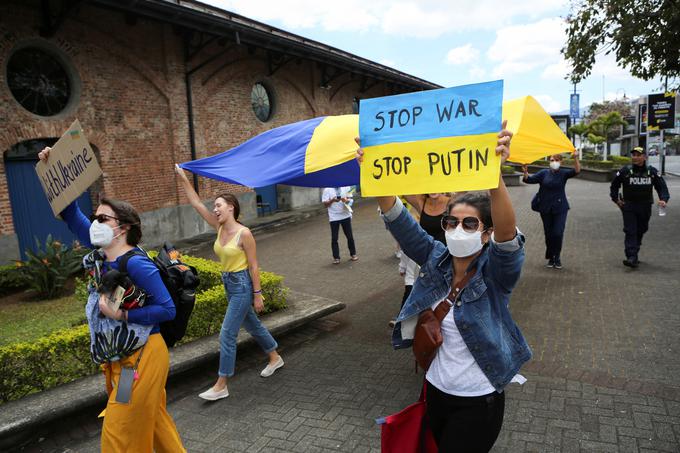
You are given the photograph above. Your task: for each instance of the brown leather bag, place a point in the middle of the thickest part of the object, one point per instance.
(428, 333)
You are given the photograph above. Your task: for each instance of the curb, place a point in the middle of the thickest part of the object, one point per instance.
(23, 418)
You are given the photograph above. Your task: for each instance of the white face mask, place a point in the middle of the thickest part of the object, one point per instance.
(101, 235)
(462, 243)
(554, 164)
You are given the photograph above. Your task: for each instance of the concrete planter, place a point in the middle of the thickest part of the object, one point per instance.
(512, 179)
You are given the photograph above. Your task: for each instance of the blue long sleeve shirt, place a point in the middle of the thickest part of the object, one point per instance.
(551, 194)
(159, 306)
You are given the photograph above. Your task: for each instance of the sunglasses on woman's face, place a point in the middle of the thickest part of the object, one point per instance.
(102, 218)
(470, 224)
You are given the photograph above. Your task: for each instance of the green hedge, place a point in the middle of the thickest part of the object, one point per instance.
(64, 355)
(508, 169)
(621, 160)
(10, 279)
(585, 163)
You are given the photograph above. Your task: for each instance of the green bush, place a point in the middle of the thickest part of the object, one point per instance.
(65, 355)
(11, 279)
(45, 363)
(621, 160)
(507, 169)
(46, 271)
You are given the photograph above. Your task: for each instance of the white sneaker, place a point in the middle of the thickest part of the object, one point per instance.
(212, 395)
(269, 369)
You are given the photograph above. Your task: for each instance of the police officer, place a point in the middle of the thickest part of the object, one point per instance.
(636, 203)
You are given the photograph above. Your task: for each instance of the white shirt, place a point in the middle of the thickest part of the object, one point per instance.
(337, 210)
(409, 268)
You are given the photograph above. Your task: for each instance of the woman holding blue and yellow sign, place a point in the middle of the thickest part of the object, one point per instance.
(468, 282)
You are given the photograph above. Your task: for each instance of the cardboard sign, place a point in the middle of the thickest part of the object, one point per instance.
(431, 141)
(71, 168)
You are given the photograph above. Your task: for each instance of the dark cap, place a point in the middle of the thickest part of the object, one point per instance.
(638, 149)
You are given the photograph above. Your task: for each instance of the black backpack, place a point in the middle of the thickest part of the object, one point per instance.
(180, 279)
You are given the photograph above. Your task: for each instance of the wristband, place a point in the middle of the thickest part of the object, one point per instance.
(259, 291)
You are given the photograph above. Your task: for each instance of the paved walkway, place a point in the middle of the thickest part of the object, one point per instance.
(605, 341)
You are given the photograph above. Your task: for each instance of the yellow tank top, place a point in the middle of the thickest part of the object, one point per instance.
(232, 257)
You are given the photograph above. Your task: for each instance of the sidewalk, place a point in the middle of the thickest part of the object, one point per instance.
(22, 419)
(605, 340)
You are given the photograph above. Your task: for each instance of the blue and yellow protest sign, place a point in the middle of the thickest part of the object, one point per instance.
(432, 141)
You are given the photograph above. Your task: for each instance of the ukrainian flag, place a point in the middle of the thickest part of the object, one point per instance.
(319, 152)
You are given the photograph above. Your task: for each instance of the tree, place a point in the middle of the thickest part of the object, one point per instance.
(642, 34)
(579, 130)
(597, 109)
(604, 127)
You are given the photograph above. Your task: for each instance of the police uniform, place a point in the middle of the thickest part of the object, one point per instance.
(637, 182)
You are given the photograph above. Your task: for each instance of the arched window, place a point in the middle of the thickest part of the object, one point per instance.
(39, 81)
(261, 100)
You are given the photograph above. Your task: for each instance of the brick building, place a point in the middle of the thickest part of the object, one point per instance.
(155, 82)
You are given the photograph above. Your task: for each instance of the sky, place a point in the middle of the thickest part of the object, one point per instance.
(455, 42)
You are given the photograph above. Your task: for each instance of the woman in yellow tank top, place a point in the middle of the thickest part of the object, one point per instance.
(235, 247)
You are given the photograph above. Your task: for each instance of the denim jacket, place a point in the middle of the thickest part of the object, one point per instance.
(481, 312)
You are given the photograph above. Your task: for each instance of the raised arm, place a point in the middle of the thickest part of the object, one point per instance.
(417, 201)
(577, 163)
(72, 215)
(194, 199)
(502, 213)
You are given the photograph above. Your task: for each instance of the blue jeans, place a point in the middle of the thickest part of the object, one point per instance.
(240, 310)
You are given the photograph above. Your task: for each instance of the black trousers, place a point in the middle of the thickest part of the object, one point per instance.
(553, 228)
(407, 292)
(635, 225)
(464, 424)
(346, 225)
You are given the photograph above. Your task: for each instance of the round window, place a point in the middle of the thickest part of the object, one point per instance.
(261, 100)
(38, 81)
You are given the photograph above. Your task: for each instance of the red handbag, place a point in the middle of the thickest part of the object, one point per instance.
(407, 431)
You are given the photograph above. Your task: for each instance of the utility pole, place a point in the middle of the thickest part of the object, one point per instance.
(662, 155)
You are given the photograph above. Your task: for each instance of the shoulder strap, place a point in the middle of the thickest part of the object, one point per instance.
(444, 306)
(238, 234)
(122, 264)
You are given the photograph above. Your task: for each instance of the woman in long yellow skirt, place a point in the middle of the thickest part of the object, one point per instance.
(142, 424)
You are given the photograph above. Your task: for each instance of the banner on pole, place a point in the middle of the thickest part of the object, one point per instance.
(574, 106)
(661, 111)
(431, 141)
(70, 170)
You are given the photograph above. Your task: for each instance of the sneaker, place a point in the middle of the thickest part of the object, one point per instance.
(336, 260)
(392, 323)
(270, 368)
(551, 263)
(354, 258)
(214, 395)
(557, 263)
(631, 261)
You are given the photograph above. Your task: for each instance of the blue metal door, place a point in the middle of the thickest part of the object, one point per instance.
(268, 194)
(31, 212)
